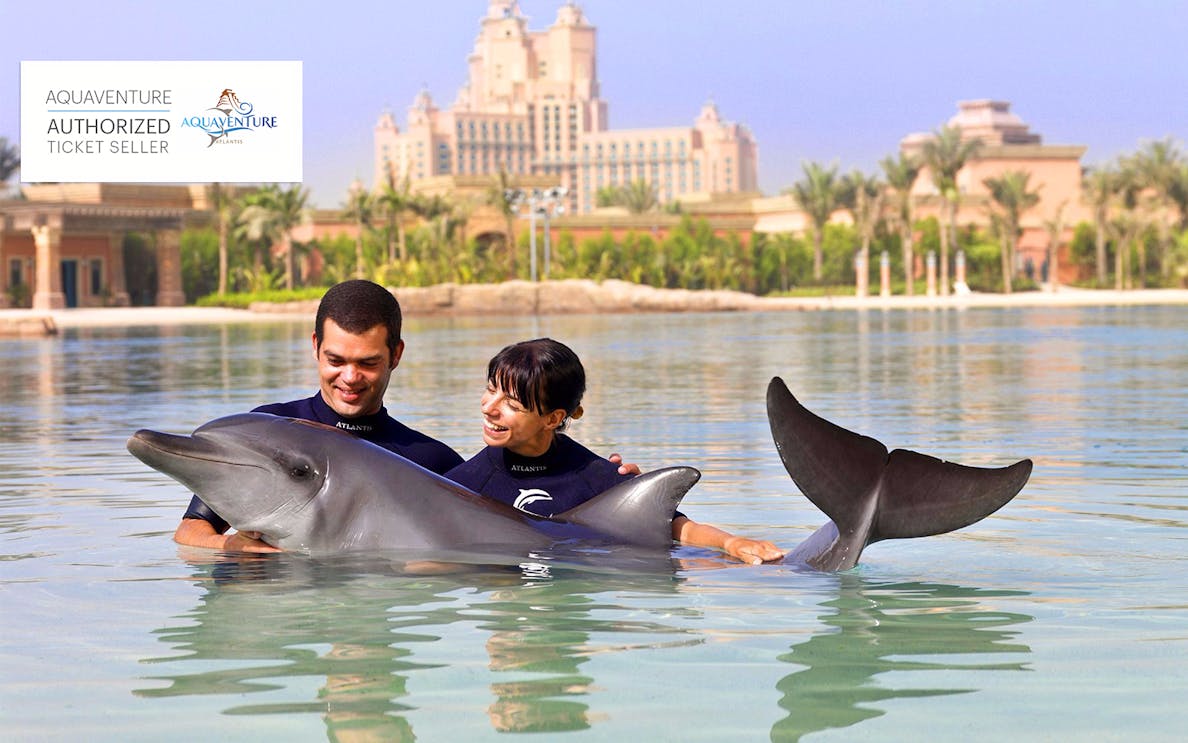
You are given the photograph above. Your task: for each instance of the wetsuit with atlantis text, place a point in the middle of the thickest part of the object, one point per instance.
(564, 477)
(380, 429)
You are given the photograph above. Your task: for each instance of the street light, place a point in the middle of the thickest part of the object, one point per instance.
(543, 203)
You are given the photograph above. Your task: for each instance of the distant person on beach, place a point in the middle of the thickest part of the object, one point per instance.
(357, 346)
(534, 388)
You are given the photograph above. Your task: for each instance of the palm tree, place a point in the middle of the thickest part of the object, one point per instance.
(1010, 195)
(500, 196)
(639, 197)
(1101, 186)
(901, 176)
(862, 195)
(945, 155)
(394, 200)
(438, 211)
(608, 196)
(360, 208)
(1179, 193)
(223, 204)
(10, 160)
(272, 214)
(818, 195)
(1128, 225)
(1157, 166)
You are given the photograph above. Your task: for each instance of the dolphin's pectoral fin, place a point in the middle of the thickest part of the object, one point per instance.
(923, 495)
(638, 511)
(871, 495)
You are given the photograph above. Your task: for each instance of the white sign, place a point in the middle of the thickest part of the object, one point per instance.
(161, 122)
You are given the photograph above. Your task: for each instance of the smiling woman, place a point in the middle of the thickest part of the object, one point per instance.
(534, 388)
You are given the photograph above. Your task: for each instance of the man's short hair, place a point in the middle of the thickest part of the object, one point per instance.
(357, 306)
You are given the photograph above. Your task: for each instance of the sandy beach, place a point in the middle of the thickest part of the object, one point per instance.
(565, 297)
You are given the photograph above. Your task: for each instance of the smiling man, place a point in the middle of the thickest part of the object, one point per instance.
(357, 346)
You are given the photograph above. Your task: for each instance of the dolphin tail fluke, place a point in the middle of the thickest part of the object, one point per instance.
(640, 510)
(871, 495)
(922, 495)
(830, 465)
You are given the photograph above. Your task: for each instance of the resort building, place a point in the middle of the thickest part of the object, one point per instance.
(1008, 144)
(531, 106)
(66, 244)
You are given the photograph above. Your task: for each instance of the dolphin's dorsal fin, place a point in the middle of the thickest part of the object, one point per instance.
(871, 495)
(638, 511)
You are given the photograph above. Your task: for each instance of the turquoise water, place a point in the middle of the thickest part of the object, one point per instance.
(1064, 616)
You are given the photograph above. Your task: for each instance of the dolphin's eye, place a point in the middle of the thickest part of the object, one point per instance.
(300, 472)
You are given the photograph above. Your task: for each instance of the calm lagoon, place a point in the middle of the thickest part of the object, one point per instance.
(1064, 616)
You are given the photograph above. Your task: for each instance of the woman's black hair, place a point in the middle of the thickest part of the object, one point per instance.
(542, 375)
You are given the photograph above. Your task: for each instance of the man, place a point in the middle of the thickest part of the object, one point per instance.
(357, 345)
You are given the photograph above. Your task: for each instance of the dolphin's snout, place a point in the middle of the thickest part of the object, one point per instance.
(154, 447)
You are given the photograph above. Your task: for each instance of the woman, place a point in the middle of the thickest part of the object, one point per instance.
(534, 388)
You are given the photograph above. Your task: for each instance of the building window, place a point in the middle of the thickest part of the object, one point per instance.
(543, 68)
(16, 275)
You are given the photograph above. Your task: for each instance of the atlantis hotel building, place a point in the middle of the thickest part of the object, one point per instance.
(531, 106)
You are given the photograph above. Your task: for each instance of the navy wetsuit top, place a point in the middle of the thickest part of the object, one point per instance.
(565, 476)
(380, 429)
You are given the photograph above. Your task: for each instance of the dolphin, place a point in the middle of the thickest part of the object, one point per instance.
(871, 495)
(313, 488)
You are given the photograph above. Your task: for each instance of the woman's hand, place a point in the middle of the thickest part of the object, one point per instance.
(625, 469)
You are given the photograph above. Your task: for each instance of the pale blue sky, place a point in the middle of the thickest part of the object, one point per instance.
(826, 81)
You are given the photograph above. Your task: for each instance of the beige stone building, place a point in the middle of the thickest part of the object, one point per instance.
(531, 106)
(63, 245)
(1008, 144)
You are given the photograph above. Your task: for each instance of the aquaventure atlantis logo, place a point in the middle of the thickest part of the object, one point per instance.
(161, 121)
(233, 117)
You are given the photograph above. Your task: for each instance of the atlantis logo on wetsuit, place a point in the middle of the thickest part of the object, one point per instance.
(528, 468)
(529, 496)
(354, 427)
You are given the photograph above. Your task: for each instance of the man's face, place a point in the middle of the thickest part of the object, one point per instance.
(355, 369)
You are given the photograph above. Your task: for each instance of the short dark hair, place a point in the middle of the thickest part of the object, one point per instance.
(357, 306)
(542, 375)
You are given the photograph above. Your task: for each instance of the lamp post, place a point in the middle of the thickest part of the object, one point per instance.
(543, 203)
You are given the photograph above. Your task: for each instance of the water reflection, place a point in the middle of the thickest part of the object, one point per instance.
(884, 627)
(267, 623)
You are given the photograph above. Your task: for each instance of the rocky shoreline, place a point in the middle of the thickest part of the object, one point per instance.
(568, 297)
(582, 296)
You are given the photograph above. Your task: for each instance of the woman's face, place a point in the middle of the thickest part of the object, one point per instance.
(508, 424)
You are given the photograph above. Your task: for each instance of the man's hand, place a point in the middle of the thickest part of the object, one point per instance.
(247, 541)
(200, 533)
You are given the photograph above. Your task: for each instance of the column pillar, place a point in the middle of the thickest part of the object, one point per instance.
(884, 275)
(47, 287)
(169, 277)
(117, 279)
(930, 271)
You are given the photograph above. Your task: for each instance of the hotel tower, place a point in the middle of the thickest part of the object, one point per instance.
(531, 105)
